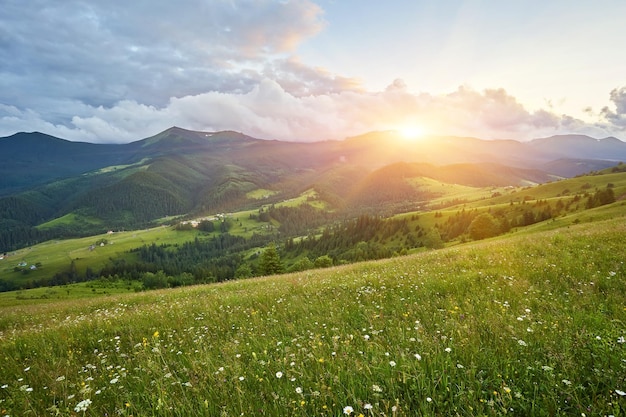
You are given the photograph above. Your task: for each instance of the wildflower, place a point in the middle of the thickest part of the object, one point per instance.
(376, 388)
(298, 390)
(507, 390)
(392, 363)
(155, 334)
(82, 406)
(567, 382)
(394, 409)
(4, 386)
(621, 340)
(279, 374)
(366, 337)
(429, 400)
(458, 365)
(368, 406)
(620, 393)
(348, 410)
(448, 350)
(241, 378)
(418, 356)
(114, 381)
(521, 342)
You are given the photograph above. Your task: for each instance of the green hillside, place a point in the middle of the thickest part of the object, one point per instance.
(187, 173)
(524, 324)
(308, 230)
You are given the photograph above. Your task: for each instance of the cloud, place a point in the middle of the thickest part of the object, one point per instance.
(269, 111)
(300, 79)
(616, 118)
(100, 53)
(119, 71)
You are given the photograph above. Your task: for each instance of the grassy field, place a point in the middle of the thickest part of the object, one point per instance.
(93, 251)
(526, 324)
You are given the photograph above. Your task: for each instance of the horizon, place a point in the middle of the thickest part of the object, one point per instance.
(400, 136)
(302, 70)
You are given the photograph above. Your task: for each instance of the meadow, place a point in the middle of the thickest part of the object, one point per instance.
(524, 324)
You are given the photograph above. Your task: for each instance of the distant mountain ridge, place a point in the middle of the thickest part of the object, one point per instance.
(179, 171)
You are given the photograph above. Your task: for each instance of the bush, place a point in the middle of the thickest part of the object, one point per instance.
(483, 226)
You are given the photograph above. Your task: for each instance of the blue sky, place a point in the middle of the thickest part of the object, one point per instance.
(119, 71)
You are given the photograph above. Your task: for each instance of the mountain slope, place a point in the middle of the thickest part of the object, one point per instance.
(179, 172)
(29, 159)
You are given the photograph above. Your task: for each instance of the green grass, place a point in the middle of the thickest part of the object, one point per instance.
(528, 324)
(449, 192)
(260, 193)
(67, 292)
(69, 220)
(54, 256)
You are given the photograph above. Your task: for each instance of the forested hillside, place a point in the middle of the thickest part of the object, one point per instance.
(52, 188)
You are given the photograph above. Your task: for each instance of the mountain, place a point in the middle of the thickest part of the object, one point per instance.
(50, 187)
(29, 159)
(580, 146)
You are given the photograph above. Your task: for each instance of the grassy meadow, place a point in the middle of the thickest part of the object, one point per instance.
(93, 251)
(523, 324)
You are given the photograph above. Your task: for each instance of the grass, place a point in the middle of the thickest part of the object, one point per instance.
(68, 292)
(260, 193)
(70, 219)
(54, 256)
(528, 324)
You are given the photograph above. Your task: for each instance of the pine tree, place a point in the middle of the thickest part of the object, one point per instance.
(269, 262)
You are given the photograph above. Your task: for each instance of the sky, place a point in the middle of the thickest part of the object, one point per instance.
(306, 70)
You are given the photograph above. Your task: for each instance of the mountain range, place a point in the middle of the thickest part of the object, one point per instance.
(178, 172)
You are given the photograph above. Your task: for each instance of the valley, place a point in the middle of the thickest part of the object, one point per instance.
(220, 247)
(388, 288)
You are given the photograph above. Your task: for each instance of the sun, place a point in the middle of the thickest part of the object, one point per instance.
(411, 132)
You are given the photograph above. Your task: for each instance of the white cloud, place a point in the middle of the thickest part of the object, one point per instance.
(269, 111)
(102, 52)
(119, 71)
(617, 117)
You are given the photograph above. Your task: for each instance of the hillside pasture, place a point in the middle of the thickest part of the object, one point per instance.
(88, 252)
(527, 324)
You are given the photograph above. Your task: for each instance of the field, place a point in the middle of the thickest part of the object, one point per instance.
(92, 252)
(524, 324)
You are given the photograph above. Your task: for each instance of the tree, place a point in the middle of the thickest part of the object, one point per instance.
(269, 263)
(301, 265)
(432, 239)
(323, 261)
(243, 271)
(483, 226)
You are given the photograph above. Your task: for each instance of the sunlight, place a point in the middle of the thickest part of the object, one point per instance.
(411, 132)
